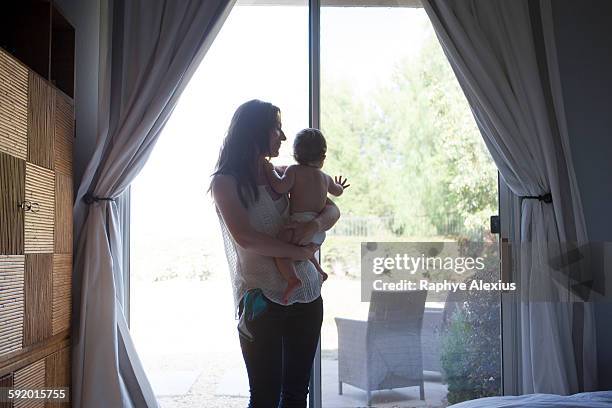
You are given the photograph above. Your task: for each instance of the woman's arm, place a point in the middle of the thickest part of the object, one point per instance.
(304, 231)
(236, 219)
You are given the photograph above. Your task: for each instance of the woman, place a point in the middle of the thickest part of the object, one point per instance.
(282, 340)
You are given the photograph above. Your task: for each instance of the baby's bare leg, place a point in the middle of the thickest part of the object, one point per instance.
(318, 266)
(286, 267)
(287, 270)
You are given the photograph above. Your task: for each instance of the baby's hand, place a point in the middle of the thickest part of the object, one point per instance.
(336, 187)
(338, 180)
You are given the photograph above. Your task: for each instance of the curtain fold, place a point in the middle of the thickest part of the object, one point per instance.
(502, 53)
(148, 52)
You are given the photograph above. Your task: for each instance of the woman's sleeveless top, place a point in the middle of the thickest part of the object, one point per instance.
(249, 270)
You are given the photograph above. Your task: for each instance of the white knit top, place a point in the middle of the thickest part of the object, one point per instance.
(249, 270)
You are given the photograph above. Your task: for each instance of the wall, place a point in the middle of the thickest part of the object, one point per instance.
(84, 15)
(584, 44)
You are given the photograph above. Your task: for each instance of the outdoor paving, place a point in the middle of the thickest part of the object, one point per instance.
(178, 388)
(190, 368)
(352, 397)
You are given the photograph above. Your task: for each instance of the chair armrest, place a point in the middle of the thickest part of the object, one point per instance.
(351, 326)
(351, 333)
(352, 352)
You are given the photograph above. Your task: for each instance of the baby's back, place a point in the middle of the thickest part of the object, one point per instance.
(309, 191)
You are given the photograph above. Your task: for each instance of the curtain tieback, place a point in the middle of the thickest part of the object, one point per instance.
(90, 198)
(547, 198)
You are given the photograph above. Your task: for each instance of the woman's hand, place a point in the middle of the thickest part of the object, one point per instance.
(302, 231)
(306, 252)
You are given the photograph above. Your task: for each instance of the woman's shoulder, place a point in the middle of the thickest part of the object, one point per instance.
(221, 181)
(222, 186)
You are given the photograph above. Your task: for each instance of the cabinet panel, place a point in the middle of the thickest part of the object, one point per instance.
(41, 112)
(38, 222)
(63, 213)
(38, 298)
(62, 302)
(64, 134)
(58, 373)
(6, 381)
(13, 107)
(11, 302)
(12, 185)
(31, 376)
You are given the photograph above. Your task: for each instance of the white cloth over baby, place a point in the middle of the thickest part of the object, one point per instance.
(306, 216)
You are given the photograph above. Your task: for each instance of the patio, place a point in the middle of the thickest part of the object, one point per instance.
(189, 367)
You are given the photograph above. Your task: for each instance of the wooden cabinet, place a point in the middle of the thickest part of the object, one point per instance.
(37, 34)
(36, 136)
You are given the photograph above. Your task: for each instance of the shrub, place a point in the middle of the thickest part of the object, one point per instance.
(471, 338)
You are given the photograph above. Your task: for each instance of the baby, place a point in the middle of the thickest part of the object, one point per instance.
(307, 186)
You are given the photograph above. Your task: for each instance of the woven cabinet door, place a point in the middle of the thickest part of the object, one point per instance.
(40, 219)
(57, 372)
(63, 134)
(30, 377)
(63, 146)
(13, 107)
(61, 293)
(6, 381)
(12, 186)
(11, 302)
(38, 288)
(41, 116)
(63, 214)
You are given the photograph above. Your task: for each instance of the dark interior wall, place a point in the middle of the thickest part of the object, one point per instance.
(583, 32)
(84, 15)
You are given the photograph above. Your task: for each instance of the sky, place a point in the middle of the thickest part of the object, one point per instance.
(261, 52)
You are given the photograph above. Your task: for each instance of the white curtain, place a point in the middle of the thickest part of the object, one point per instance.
(502, 52)
(149, 49)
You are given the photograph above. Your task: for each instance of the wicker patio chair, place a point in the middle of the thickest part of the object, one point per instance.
(383, 352)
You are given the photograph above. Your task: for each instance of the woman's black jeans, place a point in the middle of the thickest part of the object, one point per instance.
(279, 359)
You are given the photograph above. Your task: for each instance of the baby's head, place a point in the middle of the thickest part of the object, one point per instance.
(309, 147)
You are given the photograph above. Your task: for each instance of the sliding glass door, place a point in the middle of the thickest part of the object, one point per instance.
(398, 126)
(182, 315)
(372, 76)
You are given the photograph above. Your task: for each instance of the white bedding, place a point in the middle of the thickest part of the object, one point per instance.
(599, 399)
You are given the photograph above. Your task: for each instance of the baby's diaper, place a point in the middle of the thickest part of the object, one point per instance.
(305, 216)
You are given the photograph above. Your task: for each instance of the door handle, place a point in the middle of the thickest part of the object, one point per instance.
(495, 224)
(505, 261)
(29, 206)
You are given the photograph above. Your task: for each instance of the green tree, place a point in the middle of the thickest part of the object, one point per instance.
(354, 150)
(414, 152)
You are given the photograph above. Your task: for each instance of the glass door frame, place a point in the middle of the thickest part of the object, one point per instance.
(510, 223)
(315, 396)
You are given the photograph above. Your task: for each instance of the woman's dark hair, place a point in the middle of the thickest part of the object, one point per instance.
(309, 146)
(248, 136)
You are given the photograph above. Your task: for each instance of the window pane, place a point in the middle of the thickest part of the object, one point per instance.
(398, 126)
(181, 297)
